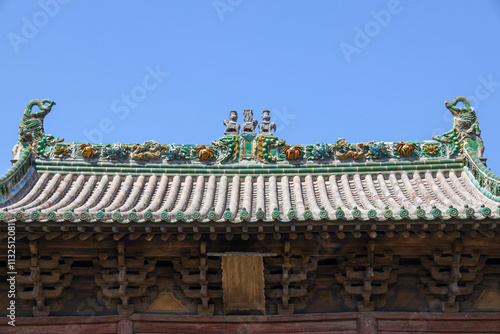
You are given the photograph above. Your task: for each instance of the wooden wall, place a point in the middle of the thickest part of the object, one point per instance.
(352, 322)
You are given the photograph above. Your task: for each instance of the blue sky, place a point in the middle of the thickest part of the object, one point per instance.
(131, 71)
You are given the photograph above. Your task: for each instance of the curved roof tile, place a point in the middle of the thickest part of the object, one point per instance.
(182, 193)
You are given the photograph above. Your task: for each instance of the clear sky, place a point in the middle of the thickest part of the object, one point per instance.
(131, 71)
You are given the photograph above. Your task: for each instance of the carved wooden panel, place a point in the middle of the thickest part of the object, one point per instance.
(243, 284)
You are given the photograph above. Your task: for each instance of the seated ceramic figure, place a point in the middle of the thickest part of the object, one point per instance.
(250, 123)
(266, 126)
(232, 127)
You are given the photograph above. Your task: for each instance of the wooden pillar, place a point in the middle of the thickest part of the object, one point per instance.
(367, 325)
(125, 326)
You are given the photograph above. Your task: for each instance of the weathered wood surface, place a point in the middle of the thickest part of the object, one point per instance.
(305, 276)
(440, 326)
(348, 322)
(243, 284)
(303, 327)
(71, 325)
(70, 329)
(404, 237)
(401, 246)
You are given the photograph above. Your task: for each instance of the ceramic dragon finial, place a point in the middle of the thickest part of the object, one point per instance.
(465, 121)
(31, 127)
(465, 126)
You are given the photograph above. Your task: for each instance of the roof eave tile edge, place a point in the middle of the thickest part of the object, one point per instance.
(483, 178)
(14, 177)
(340, 217)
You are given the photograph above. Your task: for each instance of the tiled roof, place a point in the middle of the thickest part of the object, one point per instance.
(249, 177)
(418, 194)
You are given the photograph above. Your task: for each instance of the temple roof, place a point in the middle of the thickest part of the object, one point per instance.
(249, 177)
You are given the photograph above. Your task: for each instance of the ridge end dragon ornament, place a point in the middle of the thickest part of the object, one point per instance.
(465, 126)
(31, 131)
(31, 127)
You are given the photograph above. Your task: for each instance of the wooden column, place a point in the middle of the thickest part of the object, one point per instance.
(125, 327)
(367, 325)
